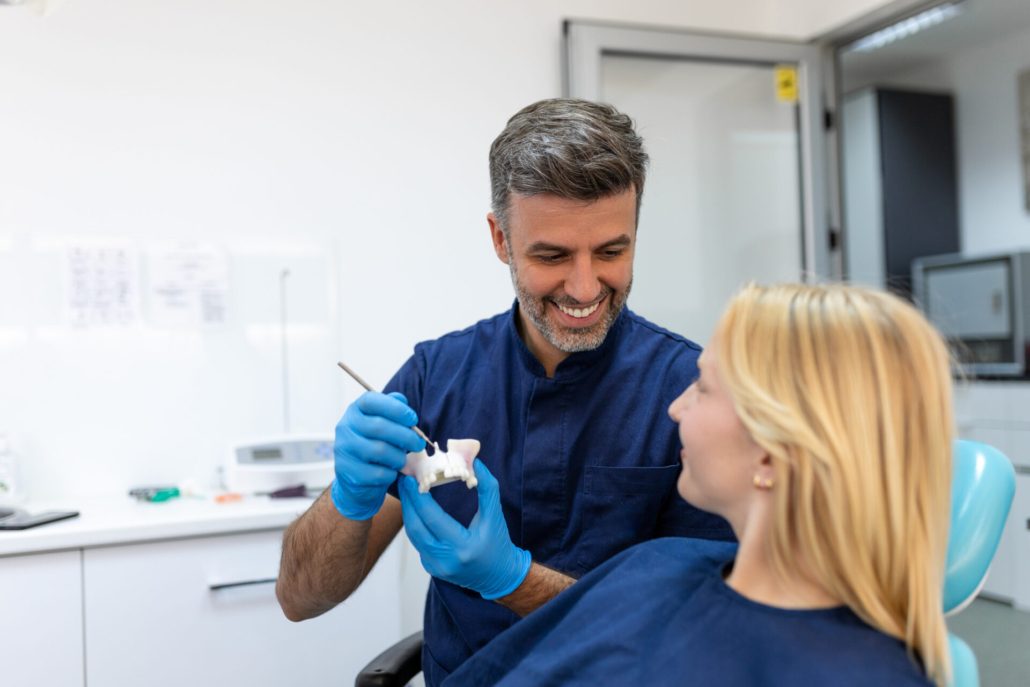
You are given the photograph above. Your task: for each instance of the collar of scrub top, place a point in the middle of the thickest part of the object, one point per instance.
(577, 364)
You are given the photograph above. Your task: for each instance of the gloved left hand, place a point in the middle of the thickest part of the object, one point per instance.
(480, 557)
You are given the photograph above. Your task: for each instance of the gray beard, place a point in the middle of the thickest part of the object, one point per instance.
(566, 339)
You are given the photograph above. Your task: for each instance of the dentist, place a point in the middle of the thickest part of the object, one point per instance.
(566, 391)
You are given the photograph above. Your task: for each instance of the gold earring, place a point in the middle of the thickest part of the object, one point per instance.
(762, 483)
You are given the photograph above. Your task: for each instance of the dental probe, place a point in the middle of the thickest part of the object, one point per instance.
(365, 384)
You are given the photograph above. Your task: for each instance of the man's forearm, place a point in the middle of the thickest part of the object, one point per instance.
(540, 586)
(323, 560)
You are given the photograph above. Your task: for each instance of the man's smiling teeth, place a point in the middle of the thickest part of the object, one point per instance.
(578, 312)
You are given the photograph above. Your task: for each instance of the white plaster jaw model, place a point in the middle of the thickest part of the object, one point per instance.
(444, 467)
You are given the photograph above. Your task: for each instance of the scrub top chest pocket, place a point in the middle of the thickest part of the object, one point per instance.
(619, 507)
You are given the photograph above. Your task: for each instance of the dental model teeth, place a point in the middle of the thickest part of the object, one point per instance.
(444, 467)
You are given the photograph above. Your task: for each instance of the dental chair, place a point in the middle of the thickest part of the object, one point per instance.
(983, 484)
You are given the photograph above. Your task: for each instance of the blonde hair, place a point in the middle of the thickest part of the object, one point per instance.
(849, 391)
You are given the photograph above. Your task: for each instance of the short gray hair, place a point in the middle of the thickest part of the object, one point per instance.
(571, 148)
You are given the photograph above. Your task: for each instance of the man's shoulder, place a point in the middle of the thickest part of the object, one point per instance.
(659, 353)
(482, 331)
(639, 326)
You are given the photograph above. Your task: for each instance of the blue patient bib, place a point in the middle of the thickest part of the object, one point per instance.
(661, 615)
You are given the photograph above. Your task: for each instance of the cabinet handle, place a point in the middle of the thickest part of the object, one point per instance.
(243, 583)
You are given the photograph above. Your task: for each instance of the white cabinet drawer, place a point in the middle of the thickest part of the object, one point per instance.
(1014, 443)
(203, 612)
(979, 401)
(1019, 542)
(997, 403)
(41, 606)
(1002, 582)
(1010, 569)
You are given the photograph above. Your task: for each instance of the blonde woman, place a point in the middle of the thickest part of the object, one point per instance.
(821, 429)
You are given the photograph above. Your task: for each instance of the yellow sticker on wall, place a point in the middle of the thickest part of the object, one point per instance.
(786, 84)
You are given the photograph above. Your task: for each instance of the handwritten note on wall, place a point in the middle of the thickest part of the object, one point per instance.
(102, 286)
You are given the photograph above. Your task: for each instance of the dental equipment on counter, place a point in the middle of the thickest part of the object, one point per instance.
(157, 494)
(278, 462)
(18, 519)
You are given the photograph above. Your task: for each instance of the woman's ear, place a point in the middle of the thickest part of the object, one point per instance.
(764, 475)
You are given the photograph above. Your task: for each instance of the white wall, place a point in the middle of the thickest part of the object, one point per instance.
(346, 140)
(993, 214)
(723, 189)
(814, 18)
(934, 75)
(993, 210)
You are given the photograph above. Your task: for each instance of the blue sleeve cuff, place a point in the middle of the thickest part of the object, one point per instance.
(348, 509)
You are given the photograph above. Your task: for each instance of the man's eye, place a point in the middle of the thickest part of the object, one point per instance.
(550, 258)
(613, 253)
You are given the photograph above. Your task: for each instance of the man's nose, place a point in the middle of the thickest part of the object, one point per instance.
(582, 283)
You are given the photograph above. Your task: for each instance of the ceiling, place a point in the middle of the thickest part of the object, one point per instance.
(982, 21)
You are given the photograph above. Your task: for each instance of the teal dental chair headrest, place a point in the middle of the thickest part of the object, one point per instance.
(983, 484)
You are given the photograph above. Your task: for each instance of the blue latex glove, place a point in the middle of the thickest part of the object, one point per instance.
(372, 442)
(482, 557)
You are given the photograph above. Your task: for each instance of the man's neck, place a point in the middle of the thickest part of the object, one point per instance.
(543, 350)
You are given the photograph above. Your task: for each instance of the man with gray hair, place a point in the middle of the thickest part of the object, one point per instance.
(567, 392)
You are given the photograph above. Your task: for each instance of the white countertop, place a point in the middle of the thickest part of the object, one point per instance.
(123, 520)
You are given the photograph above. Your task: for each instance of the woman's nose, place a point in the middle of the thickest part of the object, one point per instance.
(676, 407)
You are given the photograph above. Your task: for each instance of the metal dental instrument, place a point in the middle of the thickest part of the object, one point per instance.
(357, 378)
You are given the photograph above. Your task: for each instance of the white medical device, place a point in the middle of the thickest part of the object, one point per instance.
(265, 466)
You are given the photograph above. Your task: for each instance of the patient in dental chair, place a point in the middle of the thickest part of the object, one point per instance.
(821, 429)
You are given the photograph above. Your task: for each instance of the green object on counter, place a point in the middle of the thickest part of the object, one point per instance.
(164, 494)
(154, 494)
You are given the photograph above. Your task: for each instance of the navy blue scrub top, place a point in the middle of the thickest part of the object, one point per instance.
(587, 461)
(661, 614)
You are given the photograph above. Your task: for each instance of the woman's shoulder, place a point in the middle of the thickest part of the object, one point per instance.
(730, 640)
(855, 653)
(670, 567)
(678, 553)
(850, 653)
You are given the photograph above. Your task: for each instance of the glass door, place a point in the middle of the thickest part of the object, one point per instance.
(735, 191)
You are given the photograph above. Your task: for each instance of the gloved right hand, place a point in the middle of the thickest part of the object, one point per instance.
(372, 441)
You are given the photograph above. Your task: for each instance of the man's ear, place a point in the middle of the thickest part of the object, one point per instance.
(497, 236)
